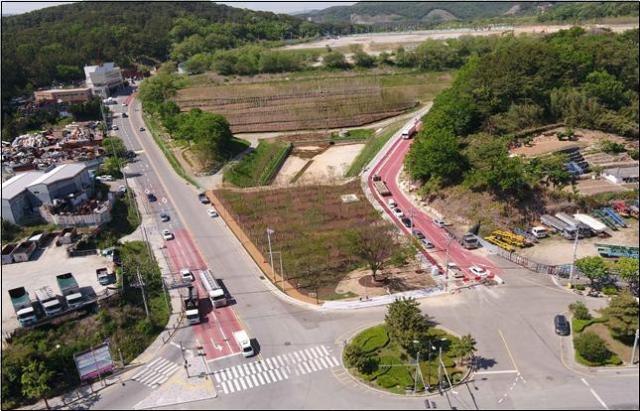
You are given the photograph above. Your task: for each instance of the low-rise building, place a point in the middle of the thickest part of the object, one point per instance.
(103, 79)
(622, 175)
(64, 95)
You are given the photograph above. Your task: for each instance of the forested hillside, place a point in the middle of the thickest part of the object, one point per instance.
(580, 79)
(583, 11)
(54, 43)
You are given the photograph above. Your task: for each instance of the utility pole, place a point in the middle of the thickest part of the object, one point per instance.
(269, 232)
(440, 369)
(575, 253)
(446, 265)
(635, 347)
(186, 364)
(144, 297)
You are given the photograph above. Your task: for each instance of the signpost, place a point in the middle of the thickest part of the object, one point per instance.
(94, 362)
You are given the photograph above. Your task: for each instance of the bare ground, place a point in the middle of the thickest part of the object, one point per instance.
(409, 277)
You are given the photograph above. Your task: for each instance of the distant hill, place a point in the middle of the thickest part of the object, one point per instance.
(408, 12)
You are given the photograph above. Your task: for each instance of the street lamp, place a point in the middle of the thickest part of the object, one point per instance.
(269, 232)
(64, 365)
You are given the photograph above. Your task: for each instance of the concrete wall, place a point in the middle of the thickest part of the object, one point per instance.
(46, 193)
(16, 209)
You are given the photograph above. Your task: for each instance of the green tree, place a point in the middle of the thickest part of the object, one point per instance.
(606, 88)
(372, 244)
(405, 322)
(591, 347)
(114, 146)
(335, 59)
(36, 380)
(627, 269)
(579, 311)
(464, 347)
(355, 357)
(594, 268)
(360, 57)
(436, 156)
(622, 313)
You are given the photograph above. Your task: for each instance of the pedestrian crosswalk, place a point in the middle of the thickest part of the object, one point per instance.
(156, 373)
(275, 369)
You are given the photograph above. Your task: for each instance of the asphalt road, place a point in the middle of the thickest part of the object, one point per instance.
(521, 362)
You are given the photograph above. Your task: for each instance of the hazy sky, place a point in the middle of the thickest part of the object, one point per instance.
(17, 7)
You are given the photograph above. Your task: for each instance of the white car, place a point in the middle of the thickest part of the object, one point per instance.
(454, 270)
(122, 189)
(212, 212)
(167, 235)
(105, 177)
(439, 223)
(475, 270)
(398, 212)
(114, 127)
(187, 275)
(392, 203)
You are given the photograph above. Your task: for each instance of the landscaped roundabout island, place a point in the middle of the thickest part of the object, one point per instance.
(387, 356)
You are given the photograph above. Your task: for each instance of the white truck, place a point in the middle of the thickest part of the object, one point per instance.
(214, 290)
(244, 343)
(23, 306)
(70, 290)
(190, 302)
(48, 300)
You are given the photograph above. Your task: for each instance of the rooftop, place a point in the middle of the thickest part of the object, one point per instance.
(16, 185)
(626, 172)
(60, 173)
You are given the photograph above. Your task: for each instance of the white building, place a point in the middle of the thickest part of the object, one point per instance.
(103, 78)
(622, 175)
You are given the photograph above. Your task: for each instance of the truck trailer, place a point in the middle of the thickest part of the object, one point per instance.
(48, 300)
(380, 186)
(213, 288)
(190, 303)
(70, 290)
(23, 306)
(104, 276)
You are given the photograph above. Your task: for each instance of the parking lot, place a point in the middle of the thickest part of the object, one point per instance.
(41, 270)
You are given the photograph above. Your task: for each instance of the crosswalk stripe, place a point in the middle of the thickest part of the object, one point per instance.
(261, 378)
(312, 365)
(224, 375)
(306, 367)
(264, 366)
(240, 371)
(325, 350)
(284, 373)
(277, 373)
(235, 382)
(303, 355)
(255, 380)
(249, 382)
(297, 357)
(317, 350)
(151, 364)
(235, 373)
(253, 368)
(231, 389)
(217, 377)
(269, 363)
(316, 361)
(163, 380)
(266, 378)
(289, 358)
(324, 363)
(299, 367)
(164, 367)
(246, 369)
(146, 377)
(156, 380)
(310, 353)
(273, 377)
(333, 359)
(224, 387)
(244, 385)
(281, 360)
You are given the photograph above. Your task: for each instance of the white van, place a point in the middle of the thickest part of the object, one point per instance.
(244, 343)
(392, 203)
(539, 232)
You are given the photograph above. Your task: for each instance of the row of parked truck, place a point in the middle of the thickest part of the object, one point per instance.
(47, 303)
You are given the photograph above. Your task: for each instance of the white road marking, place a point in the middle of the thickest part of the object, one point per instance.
(261, 379)
(597, 397)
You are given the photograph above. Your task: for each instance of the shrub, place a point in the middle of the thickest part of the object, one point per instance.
(609, 290)
(580, 287)
(591, 347)
(386, 381)
(372, 339)
(579, 311)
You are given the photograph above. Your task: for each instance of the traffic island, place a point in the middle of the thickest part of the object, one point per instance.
(408, 355)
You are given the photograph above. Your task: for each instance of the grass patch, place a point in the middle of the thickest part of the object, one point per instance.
(343, 296)
(393, 372)
(359, 134)
(579, 325)
(309, 224)
(258, 167)
(155, 129)
(373, 145)
(14, 232)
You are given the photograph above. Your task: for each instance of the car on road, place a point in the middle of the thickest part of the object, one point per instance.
(406, 221)
(164, 217)
(212, 212)
(187, 275)
(141, 129)
(151, 197)
(202, 197)
(131, 154)
(122, 189)
(392, 203)
(114, 127)
(418, 234)
(439, 223)
(455, 270)
(475, 270)
(426, 243)
(398, 212)
(562, 325)
(167, 235)
(105, 177)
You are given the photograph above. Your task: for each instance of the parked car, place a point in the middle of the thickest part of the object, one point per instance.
(406, 221)
(212, 212)
(426, 243)
(202, 197)
(562, 325)
(418, 234)
(164, 217)
(439, 223)
(105, 177)
(122, 189)
(398, 213)
(392, 203)
(151, 197)
(141, 129)
(475, 270)
(167, 235)
(114, 127)
(187, 275)
(455, 270)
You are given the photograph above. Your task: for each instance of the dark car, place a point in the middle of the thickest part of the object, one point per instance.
(203, 198)
(164, 217)
(406, 221)
(151, 197)
(418, 234)
(562, 325)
